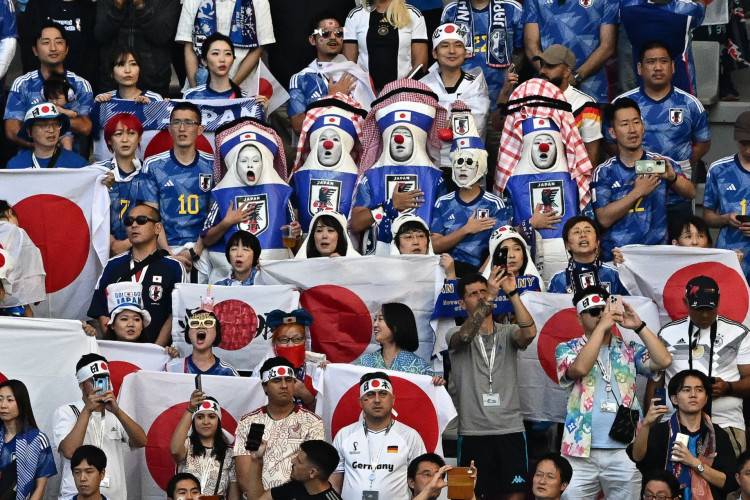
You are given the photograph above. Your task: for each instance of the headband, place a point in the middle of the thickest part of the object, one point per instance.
(276, 372)
(208, 405)
(590, 301)
(375, 384)
(97, 367)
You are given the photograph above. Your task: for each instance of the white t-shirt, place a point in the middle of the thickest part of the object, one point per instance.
(731, 349)
(107, 434)
(390, 449)
(590, 125)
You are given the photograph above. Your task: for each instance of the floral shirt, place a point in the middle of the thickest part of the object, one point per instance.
(628, 359)
(206, 469)
(405, 361)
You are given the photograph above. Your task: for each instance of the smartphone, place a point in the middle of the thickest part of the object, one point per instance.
(643, 167)
(660, 394)
(198, 384)
(500, 258)
(614, 303)
(743, 218)
(681, 438)
(254, 437)
(460, 483)
(101, 384)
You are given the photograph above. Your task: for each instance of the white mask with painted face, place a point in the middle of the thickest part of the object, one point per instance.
(250, 165)
(401, 144)
(544, 151)
(468, 166)
(329, 148)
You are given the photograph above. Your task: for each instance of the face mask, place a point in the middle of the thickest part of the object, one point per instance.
(294, 353)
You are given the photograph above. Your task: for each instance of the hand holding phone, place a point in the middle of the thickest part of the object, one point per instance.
(198, 384)
(614, 304)
(660, 394)
(460, 483)
(254, 437)
(500, 258)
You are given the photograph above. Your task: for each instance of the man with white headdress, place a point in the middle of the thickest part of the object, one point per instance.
(463, 220)
(325, 171)
(21, 267)
(450, 82)
(251, 193)
(397, 173)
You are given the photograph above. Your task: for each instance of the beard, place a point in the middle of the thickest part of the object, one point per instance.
(557, 82)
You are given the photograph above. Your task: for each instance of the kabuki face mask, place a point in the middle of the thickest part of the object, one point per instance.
(401, 144)
(250, 165)
(329, 148)
(543, 151)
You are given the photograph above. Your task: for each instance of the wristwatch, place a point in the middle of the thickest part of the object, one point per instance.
(700, 467)
(577, 77)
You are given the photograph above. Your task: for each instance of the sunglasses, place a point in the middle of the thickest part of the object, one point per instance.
(468, 161)
(204, 322)
(594, 313)
(324, 33)
(140, 219)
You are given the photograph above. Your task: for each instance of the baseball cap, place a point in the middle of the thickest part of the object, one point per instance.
(42, 111)
(557, 54)
(742, 127)
(702, 292)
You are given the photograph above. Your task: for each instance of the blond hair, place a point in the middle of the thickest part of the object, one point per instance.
(397, 13)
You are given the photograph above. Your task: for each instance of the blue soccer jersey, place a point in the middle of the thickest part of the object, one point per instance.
(608, 276)
(481, 21)
(27, 91)
(152, 96)
(182, 193)
(316, 190)
(305, 87)
(576, 25)
(552, 190)
(67, 159)
(728, 191)
(124, 195)
(186, 365)
(204, 92)
(646, 222)
(452, 213)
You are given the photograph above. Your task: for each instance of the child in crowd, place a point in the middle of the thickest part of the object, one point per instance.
(58, 90)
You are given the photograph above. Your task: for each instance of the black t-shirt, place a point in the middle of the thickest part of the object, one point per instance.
(382, 50)
(294, 490)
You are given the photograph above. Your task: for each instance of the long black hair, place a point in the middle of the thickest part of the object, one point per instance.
(23, 401)
(206, 46)
(400, 320)
(219, 450)
(327, 221)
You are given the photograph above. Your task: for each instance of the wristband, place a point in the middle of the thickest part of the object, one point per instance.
(188, 410)
(527, 325)
(640, 328)
(730, 390)
(512, 293)
(676, 176)
(194, 256)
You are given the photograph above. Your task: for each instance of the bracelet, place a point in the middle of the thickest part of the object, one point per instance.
(512, 293)
(188, 410)
(640, 328)
(527, 325)
(730, 391)
(194, 256)
(676, 176)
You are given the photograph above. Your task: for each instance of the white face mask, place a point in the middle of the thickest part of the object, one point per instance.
(329, 148)
(543, 151)
(249, 165)
(465, 168)
(401, 144)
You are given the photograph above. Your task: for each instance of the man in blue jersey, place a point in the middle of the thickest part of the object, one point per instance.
(50, 47)
(633, 208)
(178, 184)
(727, 194)
(147, 265)
(42, 127)
(587, 27)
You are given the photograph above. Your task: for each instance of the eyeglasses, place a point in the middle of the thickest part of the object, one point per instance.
(186, 123)
(292, 341)
(648, 496)
(468, 161)
(140, 219)
(325, 34)
(48, 124)
(203, 322)
(428, 474)
(578, 232)
(594, 313)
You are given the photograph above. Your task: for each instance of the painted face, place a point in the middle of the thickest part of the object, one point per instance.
(329, 148)
(250, 165)
(128, 326)
(543, 151)
(330, 40)
(401, 144)
(126, 71)
(465, 170)
(124, 141)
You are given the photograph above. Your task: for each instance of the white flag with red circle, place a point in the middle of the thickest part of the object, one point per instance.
(662, 272)
(245, 339)
(157, 401)
(125, 358)
(65, 211)
(27, 277)
(419, 404)
(343, 295)
(542, 398)
(262, 82)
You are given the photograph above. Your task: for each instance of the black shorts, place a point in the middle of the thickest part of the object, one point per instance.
(502, 462)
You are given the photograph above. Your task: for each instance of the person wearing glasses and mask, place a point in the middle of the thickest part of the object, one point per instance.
(599, 370)
(146, 264)
(43, 126)
(178, 184)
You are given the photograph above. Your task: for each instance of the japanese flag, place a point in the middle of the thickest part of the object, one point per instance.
(125, 358)
(262, 82)
(27, 277)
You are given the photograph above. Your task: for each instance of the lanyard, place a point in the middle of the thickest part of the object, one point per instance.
(99, 436)
(606, 374)
(712, 340)
(491, 362)
(374, 464)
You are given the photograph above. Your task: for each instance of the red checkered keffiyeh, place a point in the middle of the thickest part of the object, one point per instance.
(303, 145)
(511, 144)
(403, 90)
(279, 161)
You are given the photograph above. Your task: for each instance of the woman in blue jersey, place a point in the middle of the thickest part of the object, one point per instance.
(26, 459)
(125, 70)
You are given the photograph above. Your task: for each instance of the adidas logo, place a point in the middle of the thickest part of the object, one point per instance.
(169, 183)
(452, 217)
(731, 188)
(616, 184)
(517, 480)
(681, 341)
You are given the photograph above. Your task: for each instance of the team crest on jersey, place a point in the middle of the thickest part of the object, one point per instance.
(586, 3)
(204, 181)
(155, 292)
(676, 116)
(549, 194)
(587, 280)
(258, 221)
(325, 194)
(400, 184)
(460, 124)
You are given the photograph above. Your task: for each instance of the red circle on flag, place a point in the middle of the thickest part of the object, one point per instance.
(158, 458)
(239, 324)
(734, 301)
(163, 141)
(375, 383)
(118, 370)
(414, 408)
(281, 371)
(2, 260)
(332, 119)
(595, 299)
(265, 88)
(56, 224)
(402, 115)
(342, 327)
(206, 405)
(3, 378)
(450, 29)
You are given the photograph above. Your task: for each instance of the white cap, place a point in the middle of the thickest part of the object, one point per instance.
(126, 295)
